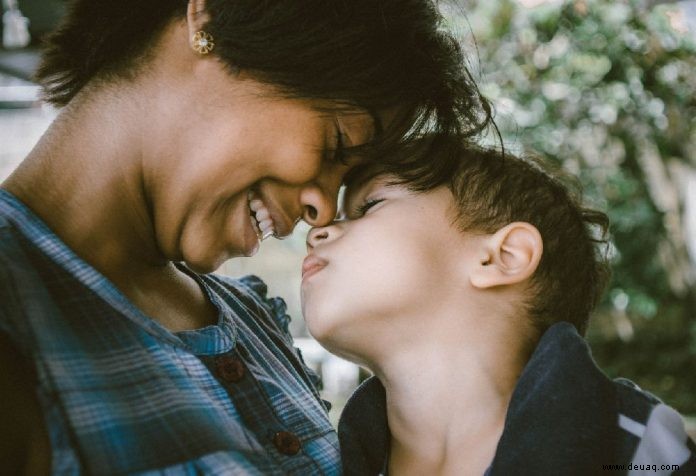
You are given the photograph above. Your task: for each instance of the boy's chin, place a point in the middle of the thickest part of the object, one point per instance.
(319, 320)
(337, 339)
(323, 331)
(342, 349)
(319, 330)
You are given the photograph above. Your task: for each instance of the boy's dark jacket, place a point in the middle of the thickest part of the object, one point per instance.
(565, 417)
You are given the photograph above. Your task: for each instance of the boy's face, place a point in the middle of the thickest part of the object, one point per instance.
(383, 270)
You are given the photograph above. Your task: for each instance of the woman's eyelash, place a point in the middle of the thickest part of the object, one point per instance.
(362, 209)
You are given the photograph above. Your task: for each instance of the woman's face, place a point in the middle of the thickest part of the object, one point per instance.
(382, 272)
(225, 139)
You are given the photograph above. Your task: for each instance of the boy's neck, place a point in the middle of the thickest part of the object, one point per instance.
(447, 398)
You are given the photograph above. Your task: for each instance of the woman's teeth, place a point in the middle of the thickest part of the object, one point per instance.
(262, 217)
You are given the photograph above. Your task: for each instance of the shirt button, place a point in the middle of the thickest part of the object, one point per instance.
(287, 443)
(229, 369)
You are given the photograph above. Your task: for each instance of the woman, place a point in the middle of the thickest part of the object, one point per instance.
(189, 131)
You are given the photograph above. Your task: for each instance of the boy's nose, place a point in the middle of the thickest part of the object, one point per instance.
(316, 236)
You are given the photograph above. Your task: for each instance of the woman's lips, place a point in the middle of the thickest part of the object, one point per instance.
(312, 265)
(255, 241)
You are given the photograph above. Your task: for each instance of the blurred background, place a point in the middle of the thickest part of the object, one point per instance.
(606, 89)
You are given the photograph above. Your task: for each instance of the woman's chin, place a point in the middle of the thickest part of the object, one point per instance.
(200, 268)
(252, 248)
(205, 264)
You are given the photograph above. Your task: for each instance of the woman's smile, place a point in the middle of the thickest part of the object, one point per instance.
(261, 218)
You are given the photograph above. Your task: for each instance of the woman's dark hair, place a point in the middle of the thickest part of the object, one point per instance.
(374, 55)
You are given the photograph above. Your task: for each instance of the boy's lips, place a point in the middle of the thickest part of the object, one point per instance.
(311, 265)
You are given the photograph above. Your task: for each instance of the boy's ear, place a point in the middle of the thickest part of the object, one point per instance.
(509, 256)
(196, 16)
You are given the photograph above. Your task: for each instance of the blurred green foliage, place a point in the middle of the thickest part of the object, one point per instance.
(607, 89)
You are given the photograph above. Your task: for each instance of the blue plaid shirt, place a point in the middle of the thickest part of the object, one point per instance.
(122, 395)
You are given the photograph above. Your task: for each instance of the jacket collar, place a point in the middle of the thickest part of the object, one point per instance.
(562, 415)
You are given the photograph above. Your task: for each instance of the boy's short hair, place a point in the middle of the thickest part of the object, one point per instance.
(366, 54)
(493, 189)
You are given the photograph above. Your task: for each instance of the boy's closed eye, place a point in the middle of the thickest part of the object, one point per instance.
(360, 198)
(362, 209)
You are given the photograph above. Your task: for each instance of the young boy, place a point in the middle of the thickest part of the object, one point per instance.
(467, 296)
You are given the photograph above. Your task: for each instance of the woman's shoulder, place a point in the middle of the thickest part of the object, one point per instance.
(19, 282)
(9, 242)
(20, 408)
(29, 446)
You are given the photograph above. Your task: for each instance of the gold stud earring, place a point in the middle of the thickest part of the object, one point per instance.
(202, 42)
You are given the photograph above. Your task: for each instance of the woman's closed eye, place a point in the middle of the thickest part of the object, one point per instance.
(339, 154)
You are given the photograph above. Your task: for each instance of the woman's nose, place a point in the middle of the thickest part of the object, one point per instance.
(319, 206)
(319, 197)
